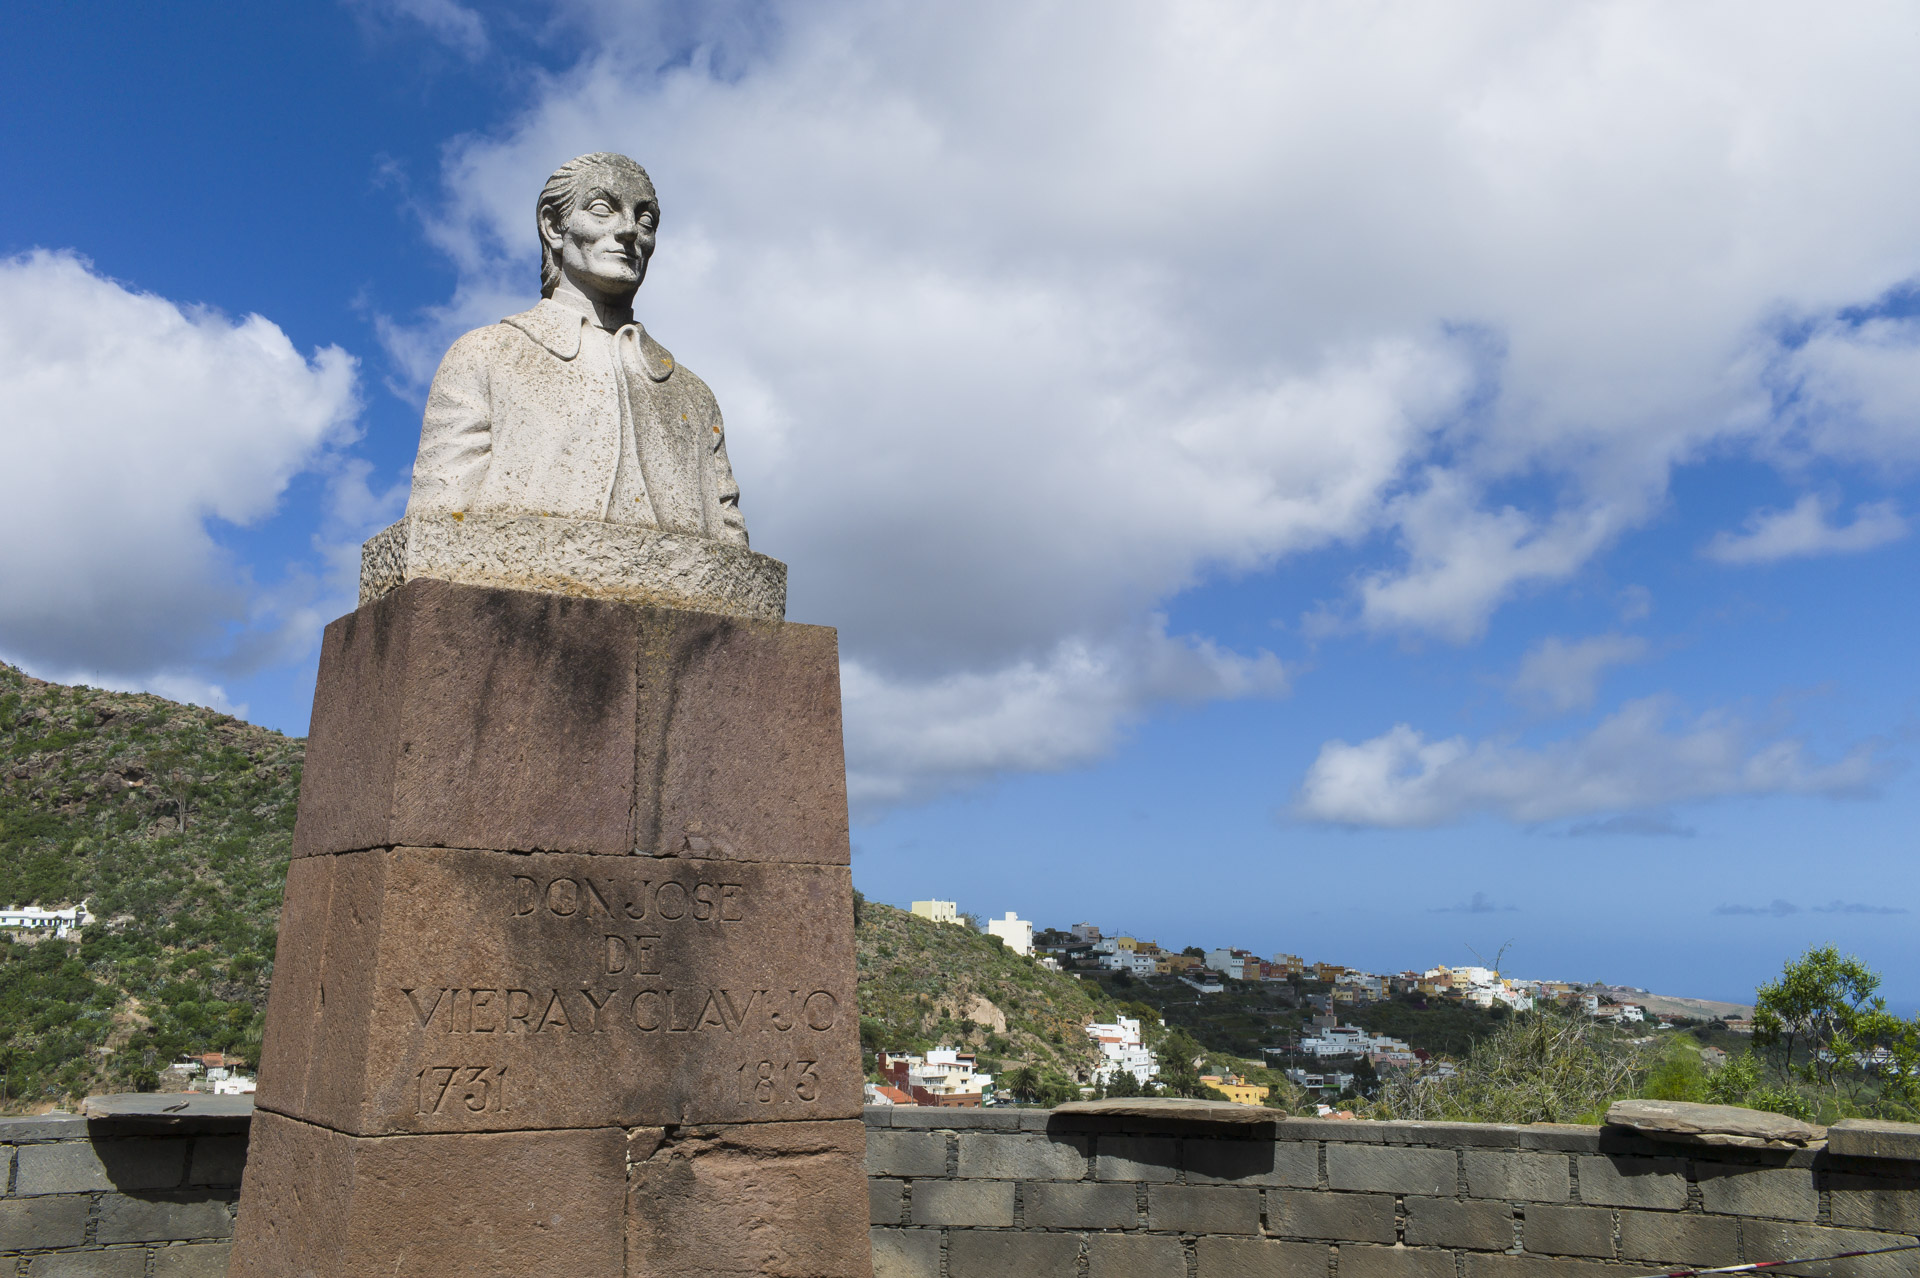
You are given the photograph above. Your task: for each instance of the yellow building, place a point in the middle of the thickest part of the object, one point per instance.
(938, 911)
(1125, 944)
(1236, 1088)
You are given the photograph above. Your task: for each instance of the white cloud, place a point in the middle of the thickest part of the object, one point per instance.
(907, 738)
(1028, 316)
(1558, 675)
(130, 425)
(1642, 757)
(1804, 531)
(448, 21)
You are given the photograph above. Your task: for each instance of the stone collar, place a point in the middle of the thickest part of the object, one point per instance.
(557, 328)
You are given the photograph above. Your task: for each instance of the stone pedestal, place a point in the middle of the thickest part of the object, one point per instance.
(565, 981)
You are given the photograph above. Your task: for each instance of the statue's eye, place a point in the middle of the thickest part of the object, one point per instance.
(600, 208)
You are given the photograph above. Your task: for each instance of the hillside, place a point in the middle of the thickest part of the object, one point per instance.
(174, 822)
(926, 984)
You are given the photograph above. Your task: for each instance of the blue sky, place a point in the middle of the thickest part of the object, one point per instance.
(1364, 482)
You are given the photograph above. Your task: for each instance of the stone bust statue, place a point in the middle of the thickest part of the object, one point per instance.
(572, 410)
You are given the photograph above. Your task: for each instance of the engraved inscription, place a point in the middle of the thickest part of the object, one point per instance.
(578, 896)
(771, 1083)
(450, 1089)
(589, 1009)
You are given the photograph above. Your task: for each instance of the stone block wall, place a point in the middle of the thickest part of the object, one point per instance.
(979, 1193)
(972, 1193)
(92, 1199)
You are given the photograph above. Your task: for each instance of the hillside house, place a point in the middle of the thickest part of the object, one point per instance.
(1014, 932)
(32, 918)
(1124, 1048)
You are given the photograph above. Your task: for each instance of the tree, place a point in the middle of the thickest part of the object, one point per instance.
(1179, 1058)
(1194, 951)
(1824, 1023)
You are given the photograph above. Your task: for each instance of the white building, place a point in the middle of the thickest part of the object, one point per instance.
(31, 918)
(233, 1085)
(1231, 964)
(938, 911)
(1085, 932)
(943, 1071)
(1134, 964)
(1205, 984)
(1124, 1048)
(1351, 1040)
(1017, 933)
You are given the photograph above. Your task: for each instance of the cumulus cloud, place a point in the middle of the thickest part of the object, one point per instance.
(1804, 530)
(1026, 321)
(1559, 675)
(134, 426)
(906, 737)
(1779, 909)
(1644, 756)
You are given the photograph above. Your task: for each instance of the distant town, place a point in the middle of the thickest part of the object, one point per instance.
(1323, 1058)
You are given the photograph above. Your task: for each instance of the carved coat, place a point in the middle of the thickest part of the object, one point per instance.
(531, 416)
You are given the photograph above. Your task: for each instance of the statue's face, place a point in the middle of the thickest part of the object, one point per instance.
(607, 240)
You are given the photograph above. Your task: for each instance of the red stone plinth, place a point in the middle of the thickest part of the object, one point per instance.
(565, 981)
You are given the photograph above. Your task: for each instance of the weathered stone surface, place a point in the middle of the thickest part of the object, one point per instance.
(1518, 1177)
(1874, 1138)
(1391, 1169)
(1204, 1209)
(1875, 1202)
(963, 1202)
(1394, 1262)
(115, 1262)
(476, 991)
(782, 1199)
(129, 1165)
(162, 1218)
(489, 1205)
(1022, 1156)
(906, 1253)
(587, 558)
(1259, 1258)
(1332, 1217)
(1675, 1238)
(1134, 1256)
(906, 1153)
(1782, 1192)
(1713, 1124)
(1767, 1240)
(192, 1260)
(1633, 1182)
(1448, 1222)
(1071, 1205)
(1568, 1231)
(33, 1223)
(1252, 1162)
(994, 1253)
(1137, 1158)
(457, 716)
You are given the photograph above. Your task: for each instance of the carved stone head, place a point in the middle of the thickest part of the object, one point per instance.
(597, 215)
